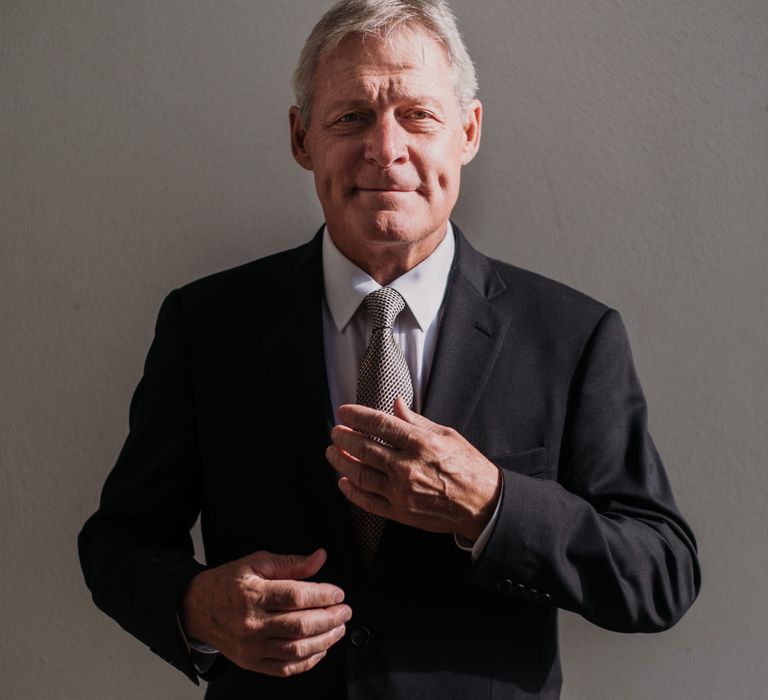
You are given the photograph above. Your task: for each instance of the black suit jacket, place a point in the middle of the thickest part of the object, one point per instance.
(231, 420)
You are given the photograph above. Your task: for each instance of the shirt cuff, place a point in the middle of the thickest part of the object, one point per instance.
(203, 655)
(478, 545)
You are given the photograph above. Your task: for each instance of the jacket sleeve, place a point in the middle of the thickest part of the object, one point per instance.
(136, 551)
(605, 540)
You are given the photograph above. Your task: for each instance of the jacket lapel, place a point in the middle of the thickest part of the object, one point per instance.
(471, 335)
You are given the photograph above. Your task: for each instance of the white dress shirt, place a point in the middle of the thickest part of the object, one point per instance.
(347, 328)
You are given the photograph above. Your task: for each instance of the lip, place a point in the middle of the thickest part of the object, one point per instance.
(384, 189)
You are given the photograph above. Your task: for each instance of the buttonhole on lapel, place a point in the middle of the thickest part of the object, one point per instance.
(483, 330)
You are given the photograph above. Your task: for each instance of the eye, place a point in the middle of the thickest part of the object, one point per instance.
(419, 115)
(350, 118)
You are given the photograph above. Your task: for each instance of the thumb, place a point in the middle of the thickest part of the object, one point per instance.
(292, 567)
(402, 411)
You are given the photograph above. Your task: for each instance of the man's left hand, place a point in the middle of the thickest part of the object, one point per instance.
(426, 475)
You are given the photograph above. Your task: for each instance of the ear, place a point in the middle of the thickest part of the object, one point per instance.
(298, 139)
(473, 123)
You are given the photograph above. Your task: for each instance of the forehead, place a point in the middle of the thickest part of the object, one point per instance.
(405, 61)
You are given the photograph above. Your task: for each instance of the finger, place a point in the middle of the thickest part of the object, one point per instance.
(305, 623)
(363, 476)
(275, 667)
(286, 566)
(404, 412)
(281, 596)
(296, 649)
(363, 448)
(371, 502)
(381, 425)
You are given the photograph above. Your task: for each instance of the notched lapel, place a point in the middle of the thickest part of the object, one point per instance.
(471, 335)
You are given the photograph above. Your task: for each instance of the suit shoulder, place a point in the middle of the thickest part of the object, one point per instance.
(248, 280)
(546, 307)
(540, 290)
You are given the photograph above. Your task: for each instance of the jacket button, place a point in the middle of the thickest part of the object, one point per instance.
(545, 598)
(518, 590)
(360, 637)
(505, 585)
(531, 594)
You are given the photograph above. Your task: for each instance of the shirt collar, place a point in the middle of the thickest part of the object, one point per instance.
(422, 288)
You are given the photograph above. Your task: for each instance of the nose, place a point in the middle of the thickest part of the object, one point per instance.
(386, 142)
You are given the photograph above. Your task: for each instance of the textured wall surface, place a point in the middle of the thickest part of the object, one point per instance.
(144, 144)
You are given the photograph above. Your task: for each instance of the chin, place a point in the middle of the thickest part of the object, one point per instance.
(395, 227)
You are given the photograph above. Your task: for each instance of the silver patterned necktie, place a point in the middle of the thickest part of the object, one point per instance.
(382, 378)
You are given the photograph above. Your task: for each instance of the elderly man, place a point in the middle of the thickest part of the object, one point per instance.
(485, 429)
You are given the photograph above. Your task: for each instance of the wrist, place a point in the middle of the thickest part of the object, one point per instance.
(485, 506)
(190, 613)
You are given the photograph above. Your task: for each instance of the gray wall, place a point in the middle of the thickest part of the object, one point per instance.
(143, 144)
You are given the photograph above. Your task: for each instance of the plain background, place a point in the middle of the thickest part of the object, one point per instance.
(144, 144)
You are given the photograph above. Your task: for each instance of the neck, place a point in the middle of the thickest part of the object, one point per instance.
(385, 263)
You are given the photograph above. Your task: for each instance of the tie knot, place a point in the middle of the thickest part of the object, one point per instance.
(383, 306)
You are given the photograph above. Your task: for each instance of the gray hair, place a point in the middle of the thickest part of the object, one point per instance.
(380, 18)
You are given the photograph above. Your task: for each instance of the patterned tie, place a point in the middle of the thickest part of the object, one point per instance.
(382, 378)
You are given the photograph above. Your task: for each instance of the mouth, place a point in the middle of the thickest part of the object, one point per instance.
(386, 190)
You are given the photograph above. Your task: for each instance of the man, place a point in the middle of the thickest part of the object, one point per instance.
(490, 458)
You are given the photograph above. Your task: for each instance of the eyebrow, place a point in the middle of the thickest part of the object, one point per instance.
(362, 103)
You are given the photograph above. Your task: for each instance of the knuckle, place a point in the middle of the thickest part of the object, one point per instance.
(432, 443)
(298, 649)
(410, 442)
(366, 452)
(247, 627)
(303, 627)
(448, 433)
(298, 597)
(407, 474)
(380, 422)
(311, 662)
(252, 594)
(257, 558)
(285, 670)
(389, 460)
(404, 434)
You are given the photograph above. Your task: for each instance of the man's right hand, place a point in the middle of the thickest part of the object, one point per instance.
(260, 614)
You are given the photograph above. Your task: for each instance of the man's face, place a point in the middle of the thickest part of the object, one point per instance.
(386, 143)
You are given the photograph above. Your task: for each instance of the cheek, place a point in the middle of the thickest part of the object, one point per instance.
(329, 179)
(445, 166)
(331, 164)
(449, 178)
